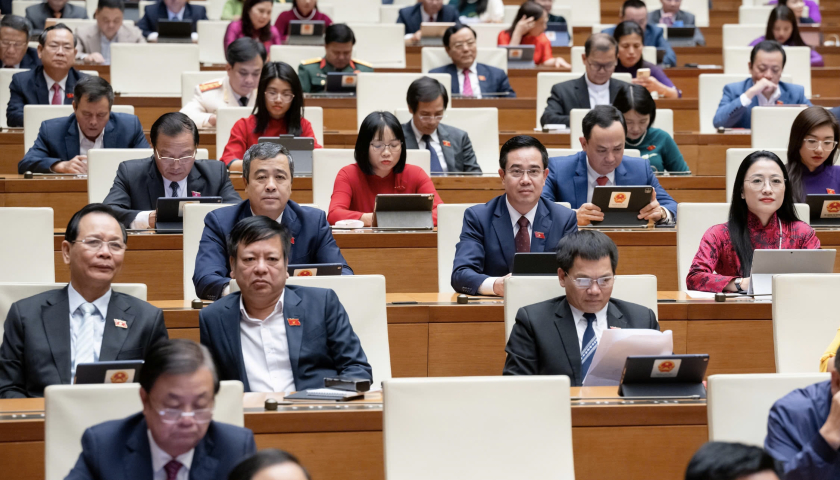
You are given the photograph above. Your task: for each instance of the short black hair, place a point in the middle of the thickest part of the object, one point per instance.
(256, 229)
(94, 88)
(72, 230)
(339, 33)
(248, 468)
(768, 46)
(522, 141)
(632, 4)
(636, 97)
(372, 128)
(588, 245)
(425, 89)
(177, 356)
(244, 49)
(172, 124)
(17, 23)
(111, 4)
(455, 29)
(729, 461)
(600, 42)
(603, 116)
(42, 39)
(262, 151)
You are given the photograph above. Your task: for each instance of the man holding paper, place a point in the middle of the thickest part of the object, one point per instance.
(559, 336)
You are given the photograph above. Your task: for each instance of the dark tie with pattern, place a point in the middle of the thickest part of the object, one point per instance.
(435, 161)
(172, 468)
(174, 187)
(590, 344)
(523, 240)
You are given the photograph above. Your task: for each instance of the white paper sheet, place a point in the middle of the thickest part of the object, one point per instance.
(618, 344)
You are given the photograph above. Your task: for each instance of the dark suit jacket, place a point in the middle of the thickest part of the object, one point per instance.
(682, 16)
(36, 340)
(572, 94)
(30, 59)
(39, 13)
(313, 243)
(323, 345)
(487, 245)
(490, 79)
(120, 450)
(411, 17)
(568, 178)
(30, 88)
(139, 184)
(730, 112)
(544, 339)
(58, 140)
(459, 155)
(149, 23)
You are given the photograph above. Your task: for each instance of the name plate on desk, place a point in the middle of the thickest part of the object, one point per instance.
(405, 211)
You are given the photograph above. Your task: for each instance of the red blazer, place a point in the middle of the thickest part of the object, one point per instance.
(242, 135)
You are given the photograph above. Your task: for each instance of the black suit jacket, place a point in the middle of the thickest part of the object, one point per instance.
(36, 340)
(139, 184)
(544, 339)
(458, 152)
(149, 23)
(30, 88)
(412, 18)
(30, 59)
(572, 94)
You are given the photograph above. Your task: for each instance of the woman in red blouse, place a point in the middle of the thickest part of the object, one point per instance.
(528, 28)
(380, 168)
(278, 111)
(762, 216)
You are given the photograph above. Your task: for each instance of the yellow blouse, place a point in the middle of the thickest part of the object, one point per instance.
(830, 352)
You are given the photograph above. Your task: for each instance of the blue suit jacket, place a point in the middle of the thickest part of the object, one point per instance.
(30, 88)
(731, 114)
(495, 80)
(835, 111)
(323, 345)
(567, 180)
(149, 23)
(119, 450)
(487, 245)
(58, 140)
(313, 243)
(655, 37)
(411, 17)
(30, 59)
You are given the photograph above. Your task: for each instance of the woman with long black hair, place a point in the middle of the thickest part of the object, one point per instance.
(812, 149)
(782, 26)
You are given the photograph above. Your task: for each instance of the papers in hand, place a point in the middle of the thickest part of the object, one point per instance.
(618, 344)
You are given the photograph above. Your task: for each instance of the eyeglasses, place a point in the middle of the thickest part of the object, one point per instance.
(812, 143)
(757, 183)
(59, 46)
(460, 45)
(171, 160)
(9, 43)
(534, 173)
(602, 67)
(173, 415)
(584, 283)
(427, 118)
(94, 244)
(397, 145)
(284, 97)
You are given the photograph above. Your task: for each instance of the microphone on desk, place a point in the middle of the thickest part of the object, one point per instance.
(721, 297)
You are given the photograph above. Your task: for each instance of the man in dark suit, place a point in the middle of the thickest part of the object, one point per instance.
(48, 335)
(312, 242)
(468, 76)
(271, 336)
(671, 15)
(63, 143)
(178, 379)
(39, 13)
(560, 336)
(15, 51)
(518, 221)
(171, 171)
(424, 11)
(602, 162)
(450, 147)
(170, 10)
(49, 84)
(595, 87)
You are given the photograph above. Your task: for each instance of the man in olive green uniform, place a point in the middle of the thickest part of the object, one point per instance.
(339, 41)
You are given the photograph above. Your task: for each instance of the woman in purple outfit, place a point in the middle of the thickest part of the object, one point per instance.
(811, 150)
(782, 27)
(630, 45)
(798, 8)
(255, 23)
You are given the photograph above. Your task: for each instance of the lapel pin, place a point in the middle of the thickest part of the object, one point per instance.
(120, 323)
(539, 235)
(294, 322)
(446, 143)
(481, 78)
(293, 240)
(196, 194)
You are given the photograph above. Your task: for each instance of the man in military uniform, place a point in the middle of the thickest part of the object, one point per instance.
(245, 59)
(339, 41)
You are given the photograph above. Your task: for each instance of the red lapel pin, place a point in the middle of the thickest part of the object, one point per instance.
(294, 322)
(539, 235)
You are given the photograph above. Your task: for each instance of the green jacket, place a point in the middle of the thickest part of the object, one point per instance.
(660, 150)
(313, 73)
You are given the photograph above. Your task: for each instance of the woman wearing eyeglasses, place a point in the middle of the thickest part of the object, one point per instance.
(380, 168)
(278, 111)
(761, 217)
(811, 150)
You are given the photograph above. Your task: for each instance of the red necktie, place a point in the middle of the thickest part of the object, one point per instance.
(56, 100)
(601, 181)
(522, 240)
(172, 469)
(468, 91)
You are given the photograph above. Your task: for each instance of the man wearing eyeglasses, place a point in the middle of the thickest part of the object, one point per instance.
(172, 172)
(450, 148)
(175, 436)
(15, 51)
(47, 336)
(470, 78)
(517, 222)
(544, 337)
(595, 87)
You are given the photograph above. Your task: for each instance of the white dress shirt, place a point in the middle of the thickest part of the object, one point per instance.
(85, 144)
(161, 458)
(61, 83)
(592, 182)
(762, 100)
(486, 287)
(580, 323)
(173, 16)
(435, 144)
(265, 350)
(476, 88)
(142, 219)
(77, 319)
(598, 94)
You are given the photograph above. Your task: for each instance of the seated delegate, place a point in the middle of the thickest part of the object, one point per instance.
(63, 143)
(302, 10)
(38, 13)
(636, 11)
(630, 41)
(762, 216)
(172, 171)
(782, 27)
(270, 464)
(656, 146)
(255, 23)
(338, 50)
(732, 461)
(271, 336)
(424, 11)
(470, 78)
(528, 28)
(380, 168)
(479, 11)
(268, 171)
(811, 152)
(673, 16)
(278, 111)
(602, 163)
(763, 88)
(94, 41)
(798, 7)
(544, 337)
(15, 51)
(547, 5)
(180, 10)
(517, 222)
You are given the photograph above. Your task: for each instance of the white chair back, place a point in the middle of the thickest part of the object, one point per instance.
(193, 229)
(26, 245)
(487, 34)
(648, 55)
(384, 91)
(190, 80)
(389, 14)
(436, 428)
(353, 11)
(434, 57)
(450, 222)
(510, 14)
(734, 157)
(34, 115)
(664, 121)
(547, 80)
(5, 92)
(226, 117)
(755, 14)
(130, 63)
(383, 46)
(771, 126)
(584, 14)
(798, 66)
(211, 41)
(215, 8)
(565, 152)
(741, 34)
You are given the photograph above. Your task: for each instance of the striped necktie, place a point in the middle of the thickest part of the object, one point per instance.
(84, 338)
(590, 344)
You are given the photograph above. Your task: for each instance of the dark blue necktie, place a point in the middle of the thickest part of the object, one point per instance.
(435, 161)
(174, 187)
(590, 344)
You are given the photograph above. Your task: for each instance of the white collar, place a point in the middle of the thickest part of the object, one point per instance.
(50, 82)
(161, 458)
(249, 319)
(514, 213)
(419, 135)
(472, 68)
(279, 219)
(578, 314)
(597, 88)
(179, 13)
(593, 175)
(76, 300)
(83, 137)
